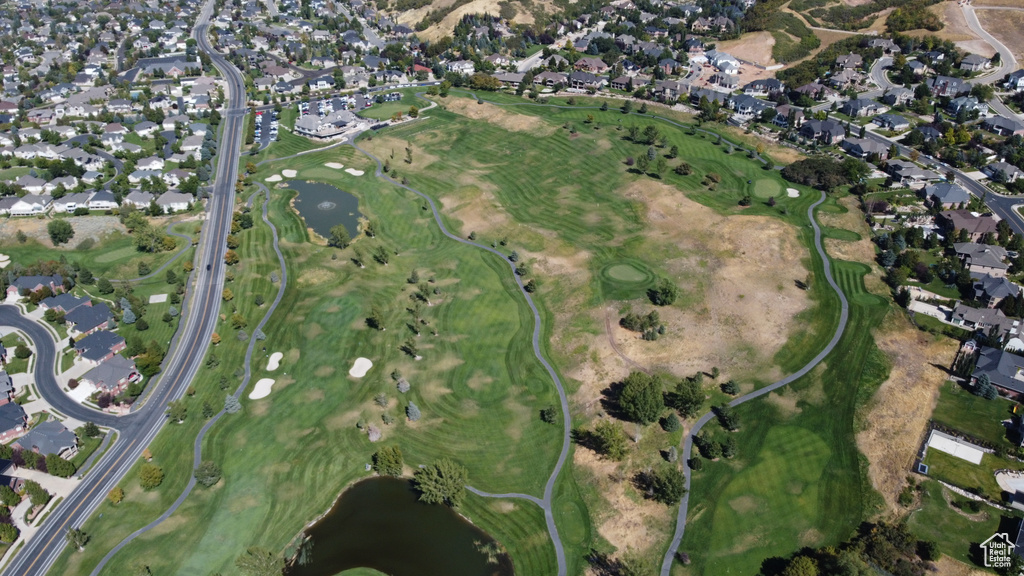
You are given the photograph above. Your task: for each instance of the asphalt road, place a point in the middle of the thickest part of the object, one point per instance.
(669, 559)
(137, 429)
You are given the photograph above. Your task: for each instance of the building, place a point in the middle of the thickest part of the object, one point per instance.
(826, 131)
(893, 122)
(112, 376)
(1005, 370)
(861, 108)
(864, 148)
(26, 284)
(947, 194)
(992, 290)
(99, 346)
(50, 437)
(88, 319)
(1002, 172)
(976, 225)
(13, 421)
(329, 126)
(64, 302)
(591, 64)
(948, 86)
(982, 259)
(986, 321)
(975, 63)
(1003, 126)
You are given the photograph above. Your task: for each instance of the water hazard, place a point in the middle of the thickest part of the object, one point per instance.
(323, 206)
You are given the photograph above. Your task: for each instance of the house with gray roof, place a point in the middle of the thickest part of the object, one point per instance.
(112, 376)
(50, 437)
(1005, 370)
(64, 302)
(864, 148)
(982, 259)
(976, 225)
(983, 320)
(1002, 172)
(992, 290)
(99, 346)
(947, 194)
(6, 388)
(13, 421)
(88, 319)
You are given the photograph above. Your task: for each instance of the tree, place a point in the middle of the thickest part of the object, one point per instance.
(688, 397)
(150, 476)
(116, 495)
(388, 461)
(375, 320)
(801, 566)
(549, 415)
(231, 404)
(727, 417)
(208, 473)
(9, 497)
(339, 236)
(670, 423)
(227, 295)
(104, 286)
(640, 398)
(36, 493)
(8, 533)
(610, 440)
(413, 412)
(141, 325)
(59, 467)
(730, 388)
(231, 258)
(627, 106)
(442, 482)
(22, 352)
(128, 317)
(643, 163)
(664, 294)
(260, 562)
(667, 484)
(77, 538)
(60, 231)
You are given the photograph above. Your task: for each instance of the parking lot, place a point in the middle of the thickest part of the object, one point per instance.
(266, 127)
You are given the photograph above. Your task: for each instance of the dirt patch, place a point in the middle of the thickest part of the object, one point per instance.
(392, 149)
(498, 116)
(323, 371)
(786, 405)
(744, 504)
(94, 227)
(1007, 26)
(947, 566)
(478, 210)
(897, 416)
(754, 47)
(313, 330)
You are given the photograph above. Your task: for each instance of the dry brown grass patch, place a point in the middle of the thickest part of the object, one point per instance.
(899, 412)
(753, 47)
(1007, 26)
(498, 116)
(947, 566)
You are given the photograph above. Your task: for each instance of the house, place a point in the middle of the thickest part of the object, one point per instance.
(113, 375)
(845, 78)
(30, 205)
(102, 200)
(99, 346)
(49, 437)
(1003, 126)
(1005, 370)
(13, 421)
(850, 60)
(887, 45)
(898, 96)
(864, 148)
(976, 225)
(982, 259)
(967, 104)
(827, 131)
(584, 80)
(917, 67)
(910, 174)
(138, 199)
(930, 133)
(764, 87)
(513, 79)
(947, 194)
(992, 290)
(975, 63)
(789, 116)
(461, 67)
(6, 388)
(591, 64)
(893, 122)
(64, 302)
(1002, 172)
(1015, 81)
(818, 91)
(861, 107)
(717, 24)
(983, 320)
(748, 105)
(174, 201)
(26, 284)
(947, 86)
(88, 319)
(726, 81)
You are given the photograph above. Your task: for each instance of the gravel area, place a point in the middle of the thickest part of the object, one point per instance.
(94, 227)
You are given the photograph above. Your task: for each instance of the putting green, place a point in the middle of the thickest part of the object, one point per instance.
(625, 273)
(625, 279)
(766, 188)
(116, 254)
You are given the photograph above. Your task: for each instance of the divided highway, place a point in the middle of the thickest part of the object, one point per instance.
(138, 429)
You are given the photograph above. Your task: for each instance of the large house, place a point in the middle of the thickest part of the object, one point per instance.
(1005, 370)
(591, 64)
(1003, 126)
(983, 320)
(975, 63)
(976, 225)
(982, 259)
(13, 421)
(112, 376)
(64, 302)
(6, 388)
(88, 319)
(26, 284)
(99, 346)
(861, 107)
(947, 194)
(948, 86)
(864, 148)
(50, 437)
(827, 131)
(992, 290)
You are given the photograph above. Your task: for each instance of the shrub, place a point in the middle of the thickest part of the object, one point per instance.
(22, 352)
(150, 476)
(388, 461)
(208, 473)
(116, 495)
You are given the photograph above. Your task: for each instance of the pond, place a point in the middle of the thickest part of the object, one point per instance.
(380, 523)
(323, 206)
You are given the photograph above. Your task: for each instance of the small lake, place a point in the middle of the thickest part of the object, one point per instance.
(380, 523)
(323, 206)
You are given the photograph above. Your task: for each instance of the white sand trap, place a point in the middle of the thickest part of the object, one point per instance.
(275, 361)
(360, 368)
(274, 178)
(792, 192)
(261, 389)
(157, 298)
(289, 173)
(354, 172)
(334, 165)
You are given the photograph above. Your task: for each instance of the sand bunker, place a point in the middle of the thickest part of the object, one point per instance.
(289, 173)
(334, 165)
(354, 172)
(361, 366)
(274, 178)
(157, 298)
(792, 192)
(261, 389)
(5, 260)
(275, 361)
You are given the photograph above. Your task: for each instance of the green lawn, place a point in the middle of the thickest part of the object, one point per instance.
(386, 110)
(285, 458)
(87, 447)
(960, 472)
(974, 415)
(955, 534)
(14, 364)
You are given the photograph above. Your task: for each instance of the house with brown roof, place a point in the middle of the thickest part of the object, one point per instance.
(976, 225)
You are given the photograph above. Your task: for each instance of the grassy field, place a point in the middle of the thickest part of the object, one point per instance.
(386, 110)
(285, 458)
(964, 474)
(954, 532)
(981, 418)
